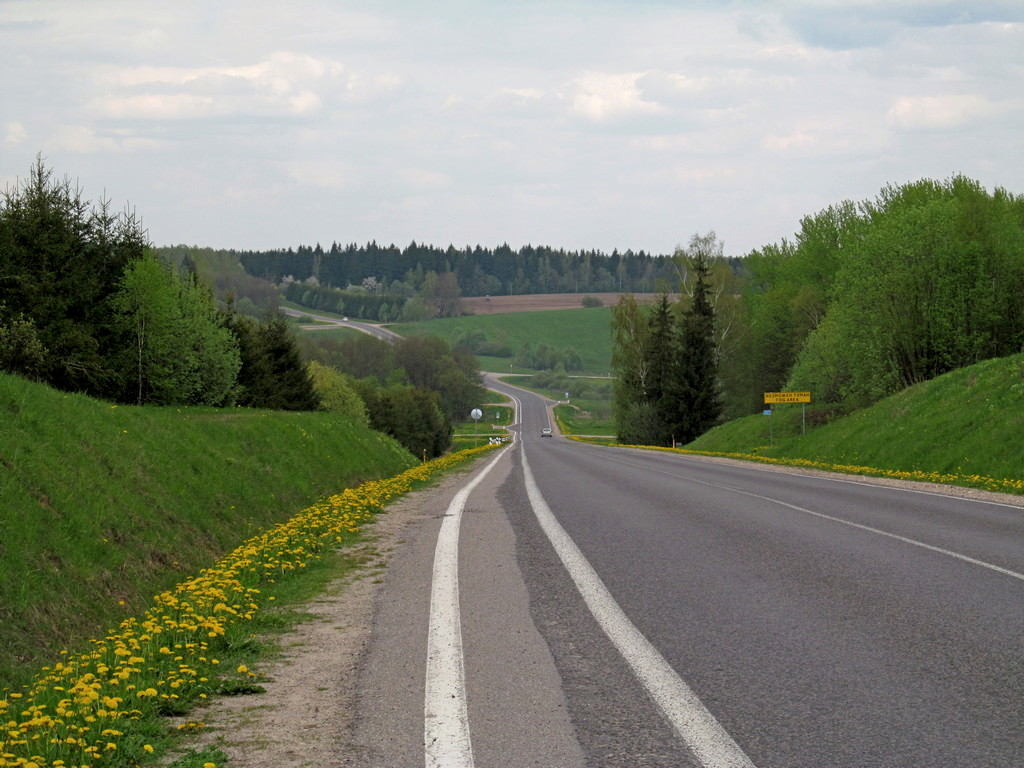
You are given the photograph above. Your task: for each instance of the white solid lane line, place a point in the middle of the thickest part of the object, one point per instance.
(697, 727)
(445, 720)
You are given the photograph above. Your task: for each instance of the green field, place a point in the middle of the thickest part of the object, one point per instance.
(586, 417)
(102, 506)
(585, 330)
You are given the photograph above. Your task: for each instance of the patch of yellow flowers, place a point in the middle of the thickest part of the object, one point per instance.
(93, 710)
(1005, 485)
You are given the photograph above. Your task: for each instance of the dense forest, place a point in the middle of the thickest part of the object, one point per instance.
(478, 271)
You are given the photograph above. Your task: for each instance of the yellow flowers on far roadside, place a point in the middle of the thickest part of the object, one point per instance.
(92, 709)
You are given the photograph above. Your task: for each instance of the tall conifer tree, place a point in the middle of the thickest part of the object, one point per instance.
(697, 401)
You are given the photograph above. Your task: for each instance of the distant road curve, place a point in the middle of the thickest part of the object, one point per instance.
(332, 322)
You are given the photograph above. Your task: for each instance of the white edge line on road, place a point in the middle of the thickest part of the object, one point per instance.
(697, 727)
(446, 738)
(860, 526)
(829, 478)
(868, 528)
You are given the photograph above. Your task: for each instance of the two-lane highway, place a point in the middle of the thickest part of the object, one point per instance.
(712, 614)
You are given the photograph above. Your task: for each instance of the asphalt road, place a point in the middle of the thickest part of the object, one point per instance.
(800, 620)
(333, 322)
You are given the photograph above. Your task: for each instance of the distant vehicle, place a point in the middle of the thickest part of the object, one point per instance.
(345, 319)
(546, 432)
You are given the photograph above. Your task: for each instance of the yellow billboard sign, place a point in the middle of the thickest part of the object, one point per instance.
(787, 397)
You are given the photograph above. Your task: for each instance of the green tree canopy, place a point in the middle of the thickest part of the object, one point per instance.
(337, 392)
(181, 352)
(60, 260)
(932, 281)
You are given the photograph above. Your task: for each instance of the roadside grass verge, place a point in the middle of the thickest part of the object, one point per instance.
(108, 705)
(583, 417)
(102, 506)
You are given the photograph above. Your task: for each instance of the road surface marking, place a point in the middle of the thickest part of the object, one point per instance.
(904, 539)
(823, 516)
(754, 467)
(445, 718)
(697, 727)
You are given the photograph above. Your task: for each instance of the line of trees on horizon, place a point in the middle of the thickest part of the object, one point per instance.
(476, 270)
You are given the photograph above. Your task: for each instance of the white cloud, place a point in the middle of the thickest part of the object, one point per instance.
(687, 174)
(277, 73)
(14, 133)
(602, 96)
(523, 102)
(362, 88)
(154, 106)
(423, 179)
(322, 174)
(84, 140)
(799, 138)
(840, 135)
(282, 84)
(81, 139)
(939, 113)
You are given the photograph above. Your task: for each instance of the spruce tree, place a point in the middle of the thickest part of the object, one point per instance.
(273, 374)
(697, 404)
(60, 261)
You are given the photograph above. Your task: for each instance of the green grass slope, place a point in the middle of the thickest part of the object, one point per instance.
(102, 506)
(585, 330)
(967, 424)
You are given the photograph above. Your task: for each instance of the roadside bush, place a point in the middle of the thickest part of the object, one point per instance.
(337, 394)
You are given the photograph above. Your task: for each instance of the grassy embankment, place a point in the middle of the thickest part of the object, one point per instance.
(963, 428)
(102, 506)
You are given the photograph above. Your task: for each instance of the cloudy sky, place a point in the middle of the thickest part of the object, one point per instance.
(589, 124)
